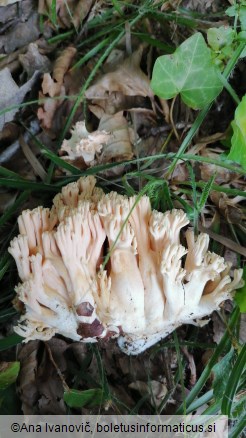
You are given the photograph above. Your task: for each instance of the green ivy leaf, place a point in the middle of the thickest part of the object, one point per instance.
(189, 71)
(242, 16)
(77, 399)
(240, 296)
(238, 10)
(238, 141)
(8, 373)
(231, 11)
(219, 37)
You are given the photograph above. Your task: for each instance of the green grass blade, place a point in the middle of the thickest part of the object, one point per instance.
(60, 163)
(205, 193)
(89, 398)
(4, 267)
(60, 37)
(6, 314)
(238, 428)
(204, 399)
(91, 53)
(9, 174)
(27, 185)
(11, 210)
(10, 341)
(53, 12)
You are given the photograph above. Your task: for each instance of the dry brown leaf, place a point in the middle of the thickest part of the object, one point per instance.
(224, 240)
(12, 12)
(126, 80)
(46, 113)
(8, 135)
(69, 13)
(119, 145)
(192, 365)
(228, 207)
(53, 87)
(27, 387)
(156, 390)
(62, 64)
(207, 170)
(33, 61)
(32, 159)
(81, 10)
(20, 34)
(115, 58)
(40, 387)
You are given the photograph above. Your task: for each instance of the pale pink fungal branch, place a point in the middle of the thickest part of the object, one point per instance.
(151, 284)
(84, 144)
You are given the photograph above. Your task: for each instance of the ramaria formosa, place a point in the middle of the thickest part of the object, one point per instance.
(151, 284)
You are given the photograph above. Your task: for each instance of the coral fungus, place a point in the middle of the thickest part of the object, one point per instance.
(151, 284)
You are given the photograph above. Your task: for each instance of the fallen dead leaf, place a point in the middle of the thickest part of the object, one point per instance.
(11, 94)
(54, 88)
(20, 34)
(26, 386)
(62, 63)
(156, 390)
(208, 170)
(81, 11)
(8, 135)
(228, 207)
(32, 159)
(33, 61)
(14, 12)
(69, 13)
(119, 145)
(39, 385)
(224, 240)
(126, 80)
(192, 365)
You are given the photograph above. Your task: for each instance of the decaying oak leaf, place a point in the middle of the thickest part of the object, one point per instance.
(126, 80)
(53, 87)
